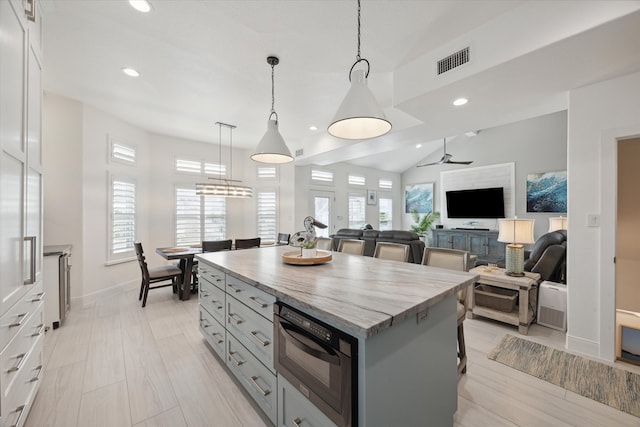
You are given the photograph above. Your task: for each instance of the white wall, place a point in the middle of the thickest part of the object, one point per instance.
(598, 115)
(534, 145)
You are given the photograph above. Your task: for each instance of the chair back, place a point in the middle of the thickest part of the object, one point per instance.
(216, 245)
(351, 246)
(144, 269)
(392, 251)
(323, 243)
(248, 243)
(452, 259)
(283, 238)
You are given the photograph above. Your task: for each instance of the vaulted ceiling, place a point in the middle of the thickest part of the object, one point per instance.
(205, 61)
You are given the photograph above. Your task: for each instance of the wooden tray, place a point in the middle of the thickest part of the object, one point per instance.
(294, 258)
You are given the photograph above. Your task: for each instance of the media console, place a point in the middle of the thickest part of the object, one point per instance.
(482, 243)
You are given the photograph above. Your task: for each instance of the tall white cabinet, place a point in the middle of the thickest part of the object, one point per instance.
(21, 290)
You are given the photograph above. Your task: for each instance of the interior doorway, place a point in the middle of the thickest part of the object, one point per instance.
(627, 266)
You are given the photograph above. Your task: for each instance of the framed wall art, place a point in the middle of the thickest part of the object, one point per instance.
(419, 198)
(372, 197)
(547, 192)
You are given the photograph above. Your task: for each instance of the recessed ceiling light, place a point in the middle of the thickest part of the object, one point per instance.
(418, 145)
(313, 128)
(130, 72)
(460, 101)
(140, 5)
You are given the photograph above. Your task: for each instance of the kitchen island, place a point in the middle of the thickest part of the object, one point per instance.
(403, 316)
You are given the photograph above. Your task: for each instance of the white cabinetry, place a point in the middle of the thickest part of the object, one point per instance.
(236, 320)
(21, 294)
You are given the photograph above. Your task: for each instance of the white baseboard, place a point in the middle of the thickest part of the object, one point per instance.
(584, 347)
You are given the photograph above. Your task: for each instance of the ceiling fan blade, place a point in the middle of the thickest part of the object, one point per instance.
(460, 163)
(429, 164)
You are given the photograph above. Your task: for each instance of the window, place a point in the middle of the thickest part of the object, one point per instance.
(215, 169)
(356, 211)
(385, 184)
(386, 213)
(188, 166)
(323, 176)
(123, 218)
(199, 218)
(356, 180)
(198, 167)
(267, 215)
(267, 173)
(122, 152)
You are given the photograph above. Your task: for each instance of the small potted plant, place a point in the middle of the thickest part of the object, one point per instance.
(423, 224)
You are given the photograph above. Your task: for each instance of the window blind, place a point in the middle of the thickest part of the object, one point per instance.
(199, 218)
(386, 214)
(267, 215)
(123, 216)
(356, 211)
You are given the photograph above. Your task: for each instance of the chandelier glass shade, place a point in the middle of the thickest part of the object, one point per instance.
(222, 187)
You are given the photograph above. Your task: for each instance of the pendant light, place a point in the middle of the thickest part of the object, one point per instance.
(272, 148)
(225, 187)
(359, 115)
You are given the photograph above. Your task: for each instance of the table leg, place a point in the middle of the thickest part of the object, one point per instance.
(523, 314)
(186, 279)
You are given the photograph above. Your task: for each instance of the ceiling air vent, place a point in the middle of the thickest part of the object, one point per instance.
(454, 60)
(299, 152)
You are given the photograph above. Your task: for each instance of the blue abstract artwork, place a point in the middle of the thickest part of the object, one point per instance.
(547, 192)
(419, 197)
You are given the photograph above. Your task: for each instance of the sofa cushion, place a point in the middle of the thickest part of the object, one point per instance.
(397, 235)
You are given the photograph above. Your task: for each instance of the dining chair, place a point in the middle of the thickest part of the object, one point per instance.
(455, 260)
(351, 246)
(392, 251)
(155, 275)
(323, 243)
(216, 245)
(247, 243)
(283, 239)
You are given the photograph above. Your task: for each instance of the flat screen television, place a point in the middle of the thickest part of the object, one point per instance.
(476, 203)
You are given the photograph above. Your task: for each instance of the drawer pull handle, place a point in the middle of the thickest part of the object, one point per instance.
(40, 329)
(218, 279)
(233, 288)
(262, 391)
(233, 317)
(22, 358)
(21, 409)
(37, 377)
(204, 294)
(234, 360)
(254, 335)
(205, 324)
(218, 304)
(22, 317)
(257, 301)
(39, 297)
(297, 422)
(220, 340)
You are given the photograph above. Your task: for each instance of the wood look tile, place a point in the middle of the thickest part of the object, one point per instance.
(170, 418)
(105, 407)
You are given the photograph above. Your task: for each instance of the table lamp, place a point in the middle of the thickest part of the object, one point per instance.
(515, 232)
(557, 223)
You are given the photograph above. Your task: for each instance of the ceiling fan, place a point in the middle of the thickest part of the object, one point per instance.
(446, 159)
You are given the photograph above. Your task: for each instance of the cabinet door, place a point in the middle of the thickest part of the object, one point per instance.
(458, 241)
(478, 245)
(495, 250)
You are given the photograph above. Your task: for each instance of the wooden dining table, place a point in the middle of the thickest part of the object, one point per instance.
(185, 256)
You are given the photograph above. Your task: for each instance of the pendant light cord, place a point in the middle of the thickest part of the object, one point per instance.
(358, 57)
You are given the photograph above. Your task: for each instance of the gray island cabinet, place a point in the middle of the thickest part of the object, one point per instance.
(403, 316)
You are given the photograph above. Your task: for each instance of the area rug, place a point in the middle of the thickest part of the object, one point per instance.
(615, 387)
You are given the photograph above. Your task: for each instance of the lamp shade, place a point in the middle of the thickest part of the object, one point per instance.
(558, 223)
(272, 148)
(514, 230)
(359, 116)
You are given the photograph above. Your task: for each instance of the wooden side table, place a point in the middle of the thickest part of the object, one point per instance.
(526, 286)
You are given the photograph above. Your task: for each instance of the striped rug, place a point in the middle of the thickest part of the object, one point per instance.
(615, 387)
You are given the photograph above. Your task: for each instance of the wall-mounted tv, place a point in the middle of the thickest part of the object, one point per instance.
(476, 203)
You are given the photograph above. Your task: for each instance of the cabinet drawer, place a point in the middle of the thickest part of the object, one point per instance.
(212, 298)
(256, 379)
(17, 404)
(252, 330)
(255, 298)
(14, 357)
(295, 410)
(16, 317)
(213, 332)
(211, 274)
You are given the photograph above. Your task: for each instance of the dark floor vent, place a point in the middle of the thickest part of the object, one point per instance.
(454, 60)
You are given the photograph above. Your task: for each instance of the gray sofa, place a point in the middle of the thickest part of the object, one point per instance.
(371, 237)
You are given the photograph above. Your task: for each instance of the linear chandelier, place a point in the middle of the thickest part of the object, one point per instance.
(224, 187)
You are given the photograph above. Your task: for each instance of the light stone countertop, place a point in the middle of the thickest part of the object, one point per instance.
(358, 294)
